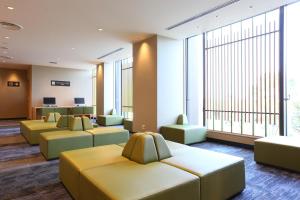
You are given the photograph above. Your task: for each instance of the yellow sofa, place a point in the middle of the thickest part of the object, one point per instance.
(149, 167)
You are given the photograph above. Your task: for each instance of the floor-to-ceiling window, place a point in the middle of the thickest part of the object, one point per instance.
(94, 92)
(124, 87)
(292, 68)
(242, 76)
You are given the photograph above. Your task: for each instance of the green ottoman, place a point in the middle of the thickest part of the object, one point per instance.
(105, 135)
(109, 120)
(128, 125)
(279, 151)
(55, 142)
(184, 134)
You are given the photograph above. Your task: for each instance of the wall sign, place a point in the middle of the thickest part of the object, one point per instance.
(13, 84)
(60, 83)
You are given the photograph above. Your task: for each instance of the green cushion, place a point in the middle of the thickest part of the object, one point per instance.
(279, 151)
(144, 150)
(31, 131)
(130, 180)
(72, 163)
(182, 119)
(113, 112)
(130, 145)
(128, 125)
(108, 135)
(221, 175)
(109, 120)
(162, 148)
(56, 116)
(55, 142)
(87, 125)
(64, 121)
(50, 117)
(185, 134)
(76, 124)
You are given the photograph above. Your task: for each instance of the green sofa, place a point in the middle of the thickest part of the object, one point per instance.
(279, 151)
(148, 167)
(31, 129)
(183, 133)
(110, 120)
(80, 134)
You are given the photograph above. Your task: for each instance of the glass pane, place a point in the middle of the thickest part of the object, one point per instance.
(292, 69)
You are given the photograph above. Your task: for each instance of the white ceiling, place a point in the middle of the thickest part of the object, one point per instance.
(53, 27)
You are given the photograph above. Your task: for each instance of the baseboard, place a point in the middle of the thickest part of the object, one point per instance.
(232, 138)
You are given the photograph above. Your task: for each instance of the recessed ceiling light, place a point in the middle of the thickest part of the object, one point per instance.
(73, 48)
(3, 61)
(6, 37)
(10, 8)
(5, 52)
(100, 29)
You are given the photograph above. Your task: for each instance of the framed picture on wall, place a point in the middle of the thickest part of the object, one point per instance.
(13, 84)
(60, 83)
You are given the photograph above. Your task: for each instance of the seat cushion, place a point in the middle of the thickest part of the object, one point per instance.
(221, 175)
(73, 162)
(109, 120)
(31, 131)
(278, 151)
(55, 142)
(129, 180)
(185, 134)
(109, 135)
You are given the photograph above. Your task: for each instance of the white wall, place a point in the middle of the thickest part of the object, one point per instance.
(81, 85)
(169, 80)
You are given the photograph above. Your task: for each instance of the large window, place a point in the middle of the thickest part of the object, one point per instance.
(124, 87)
(242, 76)
(292, 92)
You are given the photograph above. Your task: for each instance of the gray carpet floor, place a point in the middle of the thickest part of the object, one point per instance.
(40, 180)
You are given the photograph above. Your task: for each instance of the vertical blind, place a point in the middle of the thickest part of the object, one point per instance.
(242, 76)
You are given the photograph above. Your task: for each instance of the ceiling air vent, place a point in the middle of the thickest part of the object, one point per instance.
(6, 57)
(202, 14)
(10, 26)
(110, 53)
(4, 48)
(53, 62)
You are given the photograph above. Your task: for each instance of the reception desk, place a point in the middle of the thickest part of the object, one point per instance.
(39, 112)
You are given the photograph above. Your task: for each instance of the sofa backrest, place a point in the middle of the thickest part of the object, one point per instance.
(87, 125)
(50, 117)
(182, 119)
(57, 116)
(64, 121)
(146, 147)
(113, 112)
(76, 124)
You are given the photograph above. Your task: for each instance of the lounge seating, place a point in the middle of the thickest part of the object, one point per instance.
(128, 125)
(279, 151)
(183, 133)
(31, 129)
(110, 120)
(80, 135)
(54, 142)
(169, 171)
